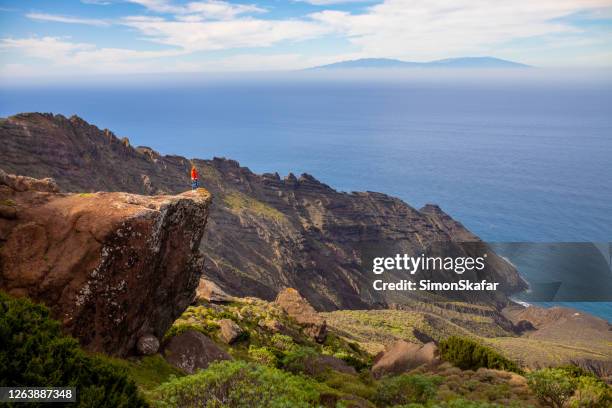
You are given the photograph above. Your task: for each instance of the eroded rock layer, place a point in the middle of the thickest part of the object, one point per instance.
(266, 233)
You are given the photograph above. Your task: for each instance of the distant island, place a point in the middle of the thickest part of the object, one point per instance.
(464, 62)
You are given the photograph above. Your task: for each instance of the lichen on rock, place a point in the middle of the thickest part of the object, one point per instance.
(111, 266)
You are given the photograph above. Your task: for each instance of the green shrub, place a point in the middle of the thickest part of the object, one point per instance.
(282, 342)
(148, 372)
(591, 393)
(238, 384)
(349, 384)
(575, 371)
(262, 355)
(405, 388)
(206, 328)
(470, 355)
(351, 353)
(552, 386)
(299, 359)
(33, 352)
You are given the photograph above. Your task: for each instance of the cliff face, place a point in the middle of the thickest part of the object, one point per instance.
(113, 267)
(265, 232)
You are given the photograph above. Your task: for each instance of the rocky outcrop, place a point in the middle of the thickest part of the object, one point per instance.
(402, 356)
(191, 351)
(113, 267)
(303, 313)
(266, 232)
(209, 291)
(230, 331)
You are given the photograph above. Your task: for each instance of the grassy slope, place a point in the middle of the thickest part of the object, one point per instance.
(373, 329)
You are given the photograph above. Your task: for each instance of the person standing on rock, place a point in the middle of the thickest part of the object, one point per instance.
(194, 177)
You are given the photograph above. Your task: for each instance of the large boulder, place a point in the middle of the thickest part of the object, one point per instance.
(303, 313)
(230, 331)
(112, 267)
(402, 356)
(191, 351)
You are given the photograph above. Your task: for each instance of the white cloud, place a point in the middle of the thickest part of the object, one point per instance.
(50, 48)
(409, 29)
(65, 56)
(67, 19)
(406, 29)
(225, 34)
(203, 10)
(426, 29)
(333, 2)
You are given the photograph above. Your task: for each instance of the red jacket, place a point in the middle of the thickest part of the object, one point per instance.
(194, 174)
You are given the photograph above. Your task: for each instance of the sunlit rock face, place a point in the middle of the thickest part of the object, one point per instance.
(113, 267)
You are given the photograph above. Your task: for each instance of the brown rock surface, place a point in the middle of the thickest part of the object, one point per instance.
(211, 292)
(191, 351)
(304, 314)
(402, 356)
(230, 331)
(111, 266)
(265, 233)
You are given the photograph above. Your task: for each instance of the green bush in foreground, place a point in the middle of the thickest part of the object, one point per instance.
(569, 386)
(405, 388)
(591, 392)
(552, 386)
(33, 352)
(239, 384)
(470, 355)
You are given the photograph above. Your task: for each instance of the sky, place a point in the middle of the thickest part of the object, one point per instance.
(69, 37)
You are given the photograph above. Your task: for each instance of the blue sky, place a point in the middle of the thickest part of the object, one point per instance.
(67, 37)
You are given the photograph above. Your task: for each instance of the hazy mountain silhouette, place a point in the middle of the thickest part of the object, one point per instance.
(465, 62)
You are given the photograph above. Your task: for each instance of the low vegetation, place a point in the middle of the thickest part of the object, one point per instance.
(569, 386)
(239, 384)
(467, 354)
(276, 365)
(34, 352)
(261, 344)
(241, 202)
(405, 389)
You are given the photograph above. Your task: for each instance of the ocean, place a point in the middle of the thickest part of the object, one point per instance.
(513, 161)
